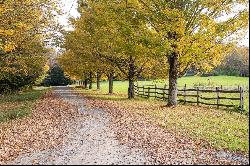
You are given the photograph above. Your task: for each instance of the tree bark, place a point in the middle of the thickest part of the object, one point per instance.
(90, 81)
(111, 78)
(98, 77)
(131, 74)
(86, 83)
(173, 76)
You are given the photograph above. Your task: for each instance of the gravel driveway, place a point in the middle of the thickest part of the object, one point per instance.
(90, 141)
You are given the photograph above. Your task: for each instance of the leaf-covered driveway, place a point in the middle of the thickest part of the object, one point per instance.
(67, 128)
(87, 138)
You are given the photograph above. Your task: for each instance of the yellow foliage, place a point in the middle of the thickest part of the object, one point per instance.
(23, 54)
(142, 32)
(8, 32)
(46, 68)
(8, 47)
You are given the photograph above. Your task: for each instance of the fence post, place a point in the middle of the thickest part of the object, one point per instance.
(185, 97)
(221, 87)
(138, 90)
(155, 90)
(148, 92)
(143, 91)
(135, 89)
(164, 92)
(198, 96)
(218, 96)
(241, 99)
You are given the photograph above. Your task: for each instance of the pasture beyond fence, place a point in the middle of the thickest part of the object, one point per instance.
(212, 97)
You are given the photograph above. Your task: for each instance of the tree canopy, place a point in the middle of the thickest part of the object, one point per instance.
(25, 26)
(155, 38)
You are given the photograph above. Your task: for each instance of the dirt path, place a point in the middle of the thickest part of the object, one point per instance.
(90, 141)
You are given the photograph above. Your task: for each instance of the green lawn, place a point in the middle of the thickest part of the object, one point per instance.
(18, 105)
(121, 87)
(225, 81)
(213, 81)
(220, 129)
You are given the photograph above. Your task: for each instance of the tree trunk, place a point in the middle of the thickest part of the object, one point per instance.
(90, 81)
(86, 83)
(111, 77)
(173, 75)
(98, 77)
(131, 74)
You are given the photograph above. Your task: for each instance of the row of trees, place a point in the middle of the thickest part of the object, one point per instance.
(151, 38)
(24, 26)
(235, 64)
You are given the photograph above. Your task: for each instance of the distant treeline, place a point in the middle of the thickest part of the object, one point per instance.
(236, 63)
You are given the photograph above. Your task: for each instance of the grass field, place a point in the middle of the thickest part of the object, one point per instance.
(221, 129)
(213, 81)
(18, 105)
(121, 87)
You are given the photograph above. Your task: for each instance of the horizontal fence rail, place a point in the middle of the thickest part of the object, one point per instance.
(195, 95)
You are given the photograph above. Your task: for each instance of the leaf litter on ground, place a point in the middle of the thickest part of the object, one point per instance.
(136, 129)
(44, 129)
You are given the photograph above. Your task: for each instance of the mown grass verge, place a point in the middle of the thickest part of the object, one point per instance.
(19, 105)
(221, 129)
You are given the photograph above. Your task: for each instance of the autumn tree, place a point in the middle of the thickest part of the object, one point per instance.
(24, 26)
(134, 35)
(72, 66)
(21, 68)
(194, 33)
(119, 36)
(82, 46)
(79, 52)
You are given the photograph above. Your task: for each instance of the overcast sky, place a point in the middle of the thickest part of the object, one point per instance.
(70, 9)
(70, 6)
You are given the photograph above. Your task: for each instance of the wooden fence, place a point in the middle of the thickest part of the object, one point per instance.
(184, 94)
(78, 82)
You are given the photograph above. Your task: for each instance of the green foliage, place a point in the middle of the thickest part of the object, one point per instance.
(56, 77)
